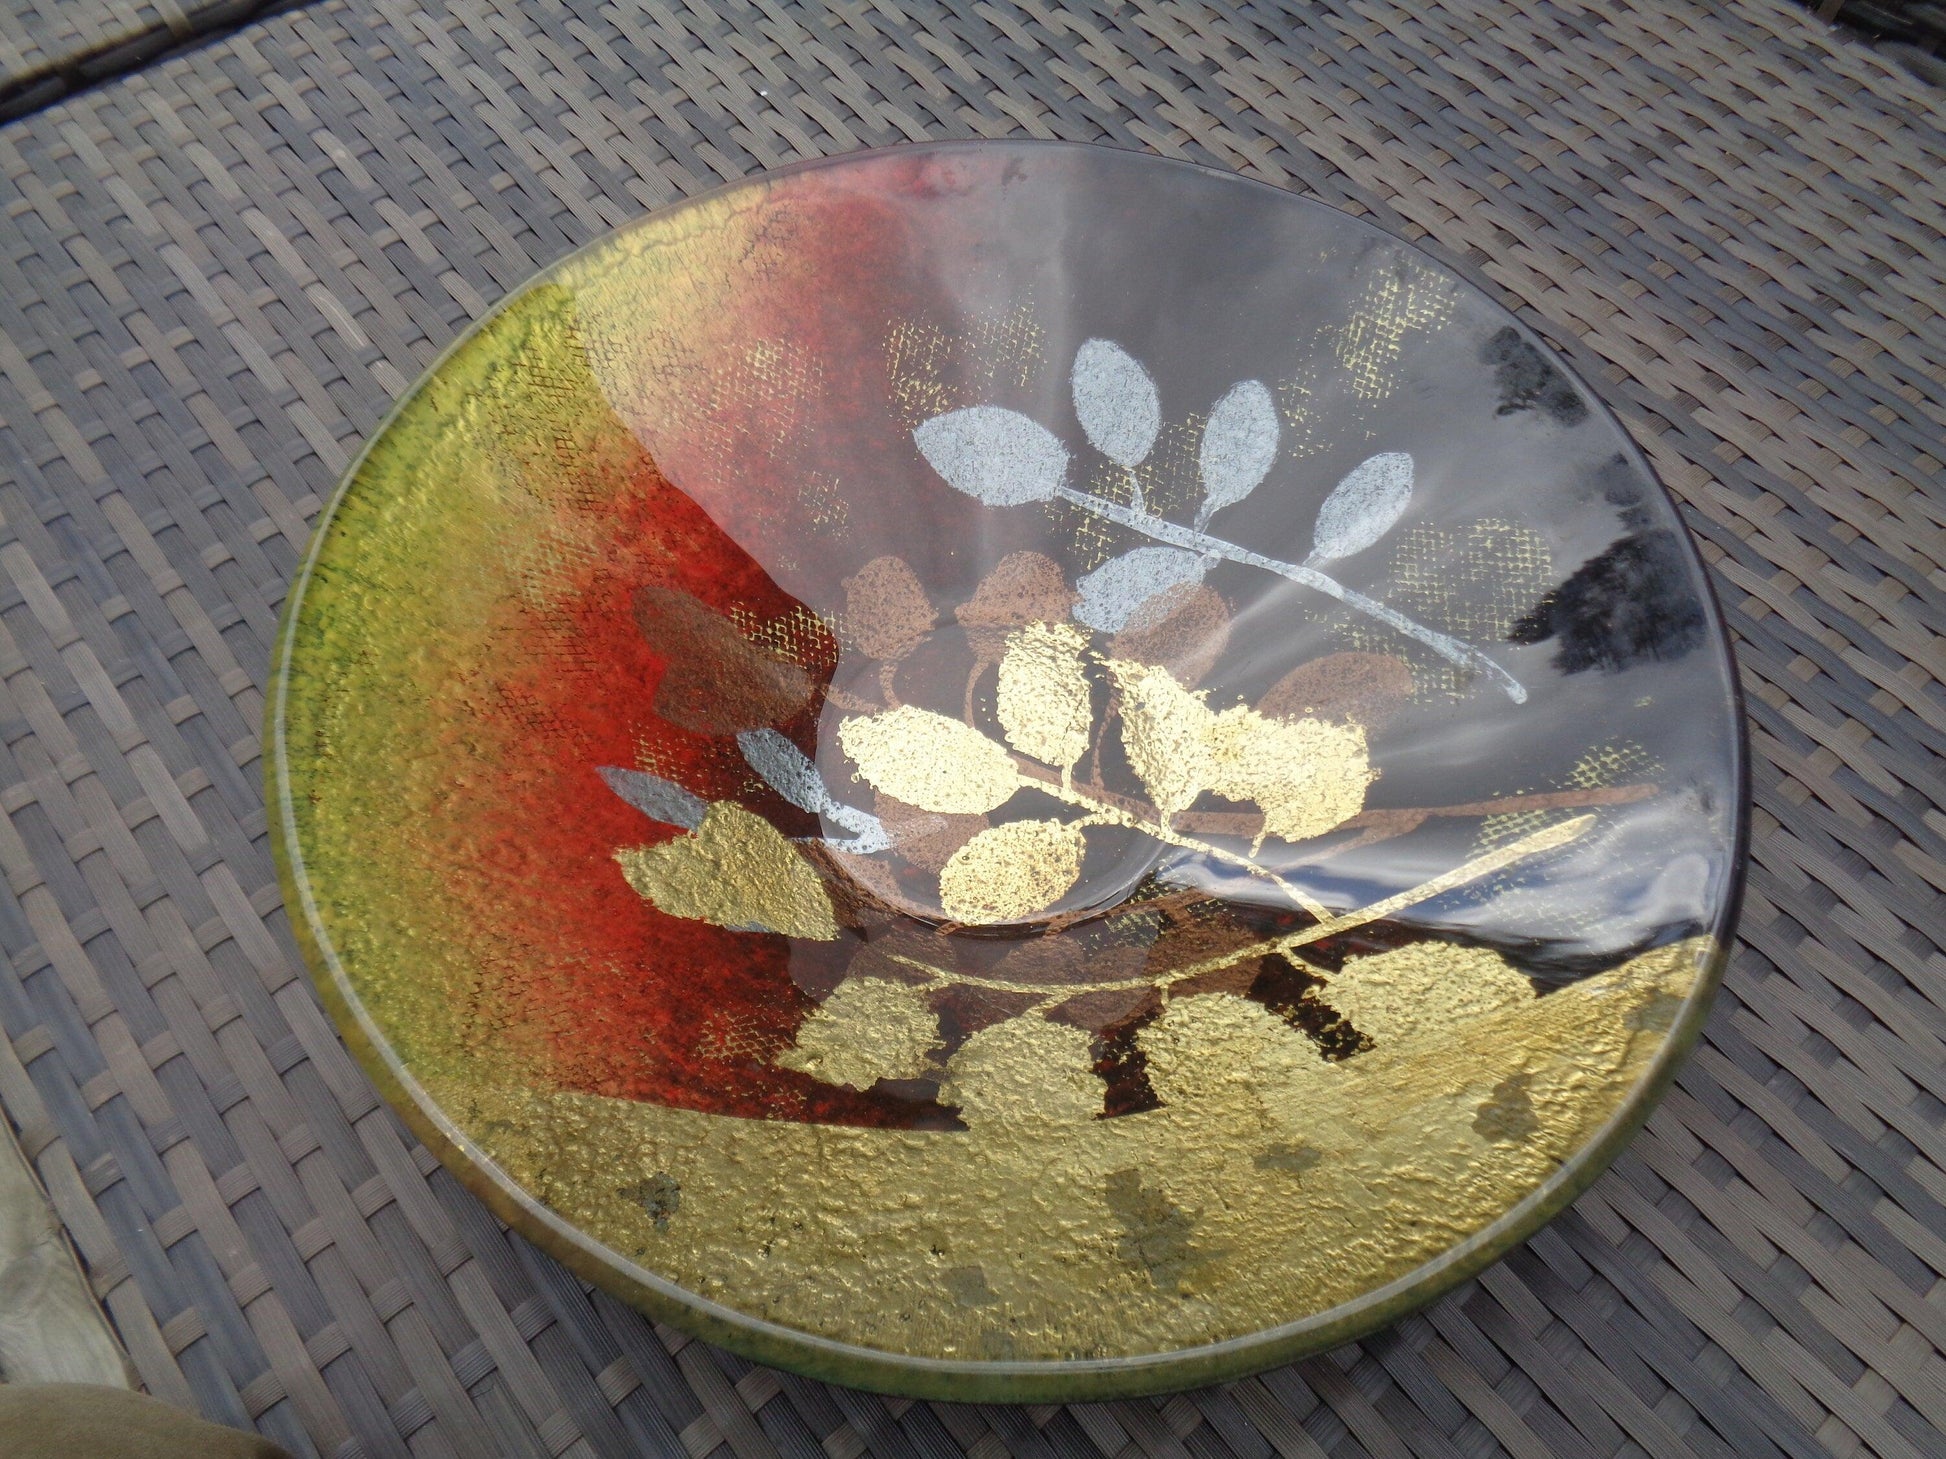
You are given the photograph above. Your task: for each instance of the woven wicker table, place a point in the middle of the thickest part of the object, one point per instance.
(219, 271)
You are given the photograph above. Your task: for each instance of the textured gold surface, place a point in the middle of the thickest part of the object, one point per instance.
(1423, 988)
(734, 870)
(1006, 873)
(1165, 732)
(868, 1029)
(1250, 1198)
(1307, 774)
(1044, 699)
(930, 761)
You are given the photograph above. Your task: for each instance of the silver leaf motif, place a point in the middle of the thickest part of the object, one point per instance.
(1112, 592)
(998, 456)
(789, 771)
(1362, 508)
(785, 768)
(1239, 445)
(659, 799)
(1115, 401)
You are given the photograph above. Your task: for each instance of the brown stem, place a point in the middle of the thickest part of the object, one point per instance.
(980, 666)
(851, 702)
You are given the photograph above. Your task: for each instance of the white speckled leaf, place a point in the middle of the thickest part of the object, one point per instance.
(659, 799)
(1239, 445)
(1115, 401)
(1362, 508)
(1112, 592)
(785, 768)
(998, 456)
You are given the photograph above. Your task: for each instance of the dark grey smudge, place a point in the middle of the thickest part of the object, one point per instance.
(1528, 382)
(1628, 605)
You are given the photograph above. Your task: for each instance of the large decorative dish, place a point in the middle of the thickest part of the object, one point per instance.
(1010, 771)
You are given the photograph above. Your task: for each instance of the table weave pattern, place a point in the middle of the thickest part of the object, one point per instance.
(215, 275)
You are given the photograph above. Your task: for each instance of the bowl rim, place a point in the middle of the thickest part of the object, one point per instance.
(977, 1380)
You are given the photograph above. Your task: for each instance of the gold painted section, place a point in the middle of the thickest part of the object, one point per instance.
(930, 761)
(1165, 733)
(868, 1029)
(1008, 873)
(1020, 1077)
(1044, 700)
(1423, 988)
(734, 870)
(1307, 774)
(1268, 1189)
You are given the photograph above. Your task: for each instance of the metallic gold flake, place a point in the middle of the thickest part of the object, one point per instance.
(1303, 1191)
(1165, 731)
(734, 870)
(1023, 1075)
(868, 1029)
(1044, 698)
(1219, 1048)
(1308, 774)
(1010, 872)
(1422, 988)
(930, 761)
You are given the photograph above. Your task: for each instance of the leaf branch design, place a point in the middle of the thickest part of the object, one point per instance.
(1003, 458)
(1188, 538)
(1103, 812)
(1549, 838)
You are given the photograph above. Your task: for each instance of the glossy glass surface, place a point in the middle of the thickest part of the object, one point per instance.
(1010, 771)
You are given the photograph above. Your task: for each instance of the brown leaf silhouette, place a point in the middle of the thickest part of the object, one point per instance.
(887, 612)
(1023, 588)
(1352, 688)
(717, 681)
(927, 839)
(1184, 629)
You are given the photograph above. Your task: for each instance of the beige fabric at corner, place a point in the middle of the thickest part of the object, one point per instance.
(81, 1421)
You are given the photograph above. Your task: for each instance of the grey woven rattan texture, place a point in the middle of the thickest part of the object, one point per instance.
(49, 48)
(217, 273)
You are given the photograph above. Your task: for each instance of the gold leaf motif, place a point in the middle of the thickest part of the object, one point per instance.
(1219, 1050)
(1308, 774)
(1044, 696)
(867, 1030)
(1010, 871)
(930, 761)
(1427, 988)
(735, 870)
(1024, 1072)
(1165, 730)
